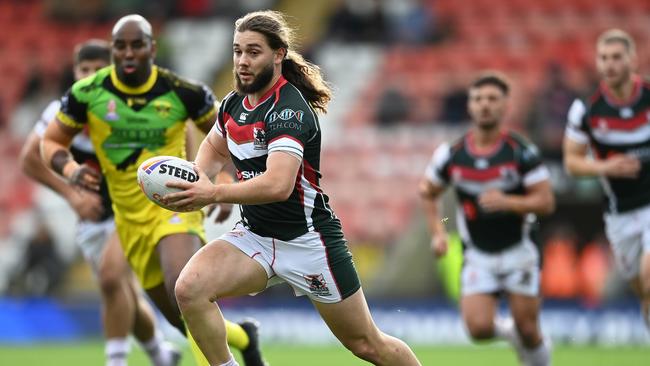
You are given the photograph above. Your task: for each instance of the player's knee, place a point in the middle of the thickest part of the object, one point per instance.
(529, 333)
(110, 282)
(479, 329)
(363, 348)
(187, 290)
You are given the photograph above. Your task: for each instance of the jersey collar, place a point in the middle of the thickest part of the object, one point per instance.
(489, 151)
(637, 83)
(139, 89)
(275, 88)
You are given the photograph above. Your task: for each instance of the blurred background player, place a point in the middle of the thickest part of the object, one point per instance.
(134, 110)
(501, 185)
(124, 309)
(288, 233)
(608, 136)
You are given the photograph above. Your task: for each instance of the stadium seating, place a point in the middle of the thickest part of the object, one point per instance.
(519, 37)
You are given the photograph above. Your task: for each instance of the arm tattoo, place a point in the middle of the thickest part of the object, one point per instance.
(59, 160)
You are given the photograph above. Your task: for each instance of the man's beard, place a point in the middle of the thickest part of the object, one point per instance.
(490, 125)
(134, 79)
(259, 82)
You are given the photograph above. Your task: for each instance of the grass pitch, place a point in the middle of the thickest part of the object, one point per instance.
(65, 354)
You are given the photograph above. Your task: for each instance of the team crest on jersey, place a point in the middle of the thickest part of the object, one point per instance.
(111, 114)
(481, 163)
(259, 138)
(242, 117)
(626, 112)
(317, 284)
(508, 175)
(602, 125)
(162, 107)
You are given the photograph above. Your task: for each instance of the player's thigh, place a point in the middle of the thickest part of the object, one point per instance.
(349, 319)
(644, 276)
(524, 310)
(113, 259)
(174, 251)
(158, 294)
(478, 309)
(220, 269)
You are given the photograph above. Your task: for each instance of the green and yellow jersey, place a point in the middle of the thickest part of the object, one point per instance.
(129, 125)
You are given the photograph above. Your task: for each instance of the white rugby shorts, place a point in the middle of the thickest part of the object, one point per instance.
(629, 237)
(91, 238)
(513, 270)
(313, 264)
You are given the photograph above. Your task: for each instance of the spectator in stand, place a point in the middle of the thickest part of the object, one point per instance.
(393, 106)
(546, 119)
(358, 21)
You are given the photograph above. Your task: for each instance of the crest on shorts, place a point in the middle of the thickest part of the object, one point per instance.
(236, 233)
(317, 284)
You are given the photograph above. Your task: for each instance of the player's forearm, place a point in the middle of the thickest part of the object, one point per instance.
(57, 157)
(209, 159)
(34, 167)
(541, 203)
(262, 189)
(581, 166)
(435, 222)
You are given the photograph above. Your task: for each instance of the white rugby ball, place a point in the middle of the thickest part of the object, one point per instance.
(153, 173)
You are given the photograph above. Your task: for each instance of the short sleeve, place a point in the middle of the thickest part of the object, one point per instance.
(219, 126)
(436, 171)
(49, 113)
(200, 102)
(576, 128)
(290, 127)
(73, 111)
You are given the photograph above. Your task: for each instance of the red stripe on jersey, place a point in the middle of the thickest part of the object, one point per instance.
(278, 84)
(622, 124)
(482, 175)
(311, 176)
(242, 134)
(298, 185)
(289, 137)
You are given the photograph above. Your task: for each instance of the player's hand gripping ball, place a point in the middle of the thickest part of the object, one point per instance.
(153, 173)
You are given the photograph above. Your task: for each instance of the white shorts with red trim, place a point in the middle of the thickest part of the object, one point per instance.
(305, 263)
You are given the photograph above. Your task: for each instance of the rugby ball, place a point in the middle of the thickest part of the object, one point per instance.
(153, 173)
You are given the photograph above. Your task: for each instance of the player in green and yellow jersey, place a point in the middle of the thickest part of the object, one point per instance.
(134, 110)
